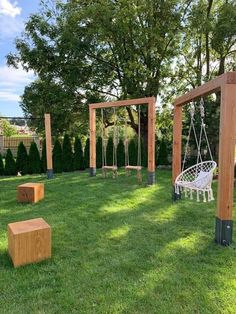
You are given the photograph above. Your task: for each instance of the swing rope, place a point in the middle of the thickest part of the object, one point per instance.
(104, 146)
(138, 167)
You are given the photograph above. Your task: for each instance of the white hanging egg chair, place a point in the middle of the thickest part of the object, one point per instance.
(197, 178)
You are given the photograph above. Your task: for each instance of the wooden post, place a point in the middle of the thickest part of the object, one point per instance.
(151, 141)
(224, 223)
(177, 146)
(48, 135)
(92, 127)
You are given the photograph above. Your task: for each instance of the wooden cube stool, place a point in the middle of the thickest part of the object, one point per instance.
(30, 192)
(29, 241)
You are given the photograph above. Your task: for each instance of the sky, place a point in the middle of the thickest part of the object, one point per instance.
(13, 15)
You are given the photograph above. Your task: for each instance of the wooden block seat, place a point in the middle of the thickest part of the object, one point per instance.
(30, 192)
(133, 168)
(29, 241)
(110, 167)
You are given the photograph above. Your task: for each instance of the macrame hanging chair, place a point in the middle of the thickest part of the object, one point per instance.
(198, 178)
(105, 167)
(129, 167)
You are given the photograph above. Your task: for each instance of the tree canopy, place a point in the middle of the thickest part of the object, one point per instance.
(88, 51)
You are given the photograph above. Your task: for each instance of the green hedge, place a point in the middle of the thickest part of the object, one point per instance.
(86, 154)
(10, 164)
(99, 152)
(67, 154)
(78, 155)
(22, 159)
(44, 157)
(34, 159)
(57, 157)
(121, 153)
(1, 166)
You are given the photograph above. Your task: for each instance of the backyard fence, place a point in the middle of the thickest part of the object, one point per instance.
(13, 142)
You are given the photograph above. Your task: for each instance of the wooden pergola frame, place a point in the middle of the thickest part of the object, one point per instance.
(150, 102)
(226, 84)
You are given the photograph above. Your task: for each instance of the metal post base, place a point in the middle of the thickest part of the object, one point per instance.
(175, 196)
(50, 174)
(92, 171)
(151, 178)
(223, 231)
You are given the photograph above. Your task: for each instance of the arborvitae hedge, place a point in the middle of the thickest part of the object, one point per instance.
(133, 152)
(86, 153)
(99, 152)
(22, 160)
(10, 164)
(78, 155)
(1, 166)
(144, 153)
(163, 154)
(121, 154)
(67, 154)
(110, 151)
(157, 145)
(44, 157)
(34, 159)
(57, 157)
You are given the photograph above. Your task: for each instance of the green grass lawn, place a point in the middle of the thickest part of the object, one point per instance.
(118, 247)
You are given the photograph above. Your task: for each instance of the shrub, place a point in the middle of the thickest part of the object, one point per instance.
(44, 157)
(67, 154)
(99, 152)
(10, 164)
(110, 151)
(78, 155)
(57, 157)
(133, 152)
(86, 154)
(144, 154)
(34, 159)
(121, 154)
(22, 160)
(163, 154)
(1, 166)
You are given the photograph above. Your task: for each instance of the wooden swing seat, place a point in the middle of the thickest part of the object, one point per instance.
(110, 168)
(138, 168)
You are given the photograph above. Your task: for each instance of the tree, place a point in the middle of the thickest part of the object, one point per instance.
(22, 160)
(84, 51)
(6, 128)
(87, 154)
(44, 157)
(57, 157)
(67, 154)
(10, 164)
(133, 152)
(1, 166)
(34, 159)
(78, 155)
(99, 152)
(121, 153)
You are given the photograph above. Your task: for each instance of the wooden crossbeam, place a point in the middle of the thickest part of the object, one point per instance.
(207, 88)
